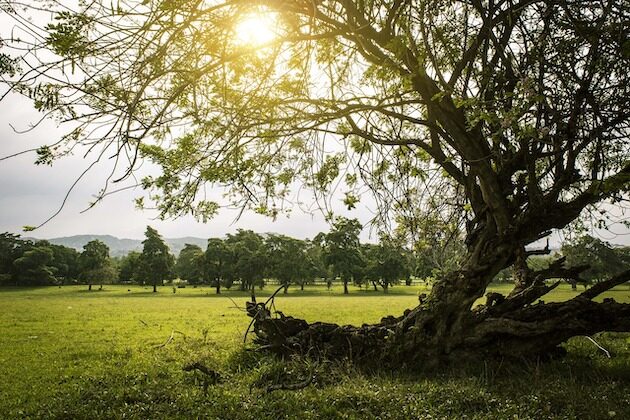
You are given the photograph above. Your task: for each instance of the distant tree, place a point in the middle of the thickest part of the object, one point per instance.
(249, 260)
(217, 264)
(315, 264)
(624, 255)
(155, 262)
(410, 262)
(342, 249)
(128, 266)
(34, 267)
(190, 264)
(389, 263)
(95, 264)
(385, 264)
(11, 248)
(65, 261)
(368, 272)
(603, 260)
(287, 259)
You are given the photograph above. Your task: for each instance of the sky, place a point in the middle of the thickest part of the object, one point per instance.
(30, 194)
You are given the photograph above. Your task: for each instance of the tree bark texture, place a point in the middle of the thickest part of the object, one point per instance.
(447, 328)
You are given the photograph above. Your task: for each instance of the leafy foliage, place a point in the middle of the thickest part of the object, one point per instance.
(216, 264)
(155, 263)
(506, 119)
(341, 249)
(603, 260)
(95, 264)
(34, 266)
(189, 264)
(249, 259)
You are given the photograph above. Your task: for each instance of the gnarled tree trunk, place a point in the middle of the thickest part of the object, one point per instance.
(447, 327)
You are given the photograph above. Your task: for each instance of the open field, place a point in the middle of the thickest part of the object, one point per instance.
(69, 353)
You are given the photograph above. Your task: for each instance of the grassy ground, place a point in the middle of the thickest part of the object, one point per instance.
(119, 353)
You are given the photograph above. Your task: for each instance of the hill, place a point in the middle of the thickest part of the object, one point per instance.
(122, 246)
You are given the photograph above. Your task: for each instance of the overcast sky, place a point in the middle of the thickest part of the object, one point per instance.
(29, 194)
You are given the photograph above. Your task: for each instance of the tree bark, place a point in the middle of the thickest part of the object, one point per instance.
(446, 328)
(345, 286)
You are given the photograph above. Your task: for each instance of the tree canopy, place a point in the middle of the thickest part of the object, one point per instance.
(189, 264)
(95, 264)
(507, 118)
(155, 263)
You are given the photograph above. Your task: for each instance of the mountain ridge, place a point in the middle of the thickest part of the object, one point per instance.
(121, 246)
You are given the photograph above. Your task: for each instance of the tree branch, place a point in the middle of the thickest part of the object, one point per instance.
(604, 286)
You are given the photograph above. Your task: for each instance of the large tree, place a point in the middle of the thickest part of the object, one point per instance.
(509, 117)
(155, 263)
(217, 264)
(248, 260)
(287, 260)
(603, 261)
(388, 263)
(11, 248)
(128, 267)
(95, 264)
(342, 250)
(34, 267)
(189, 264)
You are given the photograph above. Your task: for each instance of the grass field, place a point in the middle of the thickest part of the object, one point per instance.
(119, 353)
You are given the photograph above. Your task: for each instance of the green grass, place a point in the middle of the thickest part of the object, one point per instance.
(69, 353)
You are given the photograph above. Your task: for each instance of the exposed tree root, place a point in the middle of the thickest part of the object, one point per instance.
(509, 328)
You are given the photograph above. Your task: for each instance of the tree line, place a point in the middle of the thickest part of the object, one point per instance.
(245, 259)
(248, 260)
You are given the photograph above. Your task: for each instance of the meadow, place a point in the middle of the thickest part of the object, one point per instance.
(119, 353)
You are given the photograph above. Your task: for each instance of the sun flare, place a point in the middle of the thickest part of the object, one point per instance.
(256, 29)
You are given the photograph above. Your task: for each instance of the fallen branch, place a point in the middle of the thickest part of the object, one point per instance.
(172, 336)
(168, 340)
(603, 286)
(235, 305)
(212, 374)
(254, 310)
(291, 387)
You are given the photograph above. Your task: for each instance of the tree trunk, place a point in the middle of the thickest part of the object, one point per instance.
(218, 286)
(385, 287)
(286, 288)
(302, 286)
(345, 286)
(90, 287)
(375, 287)
(154, 286)
(445, 327)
